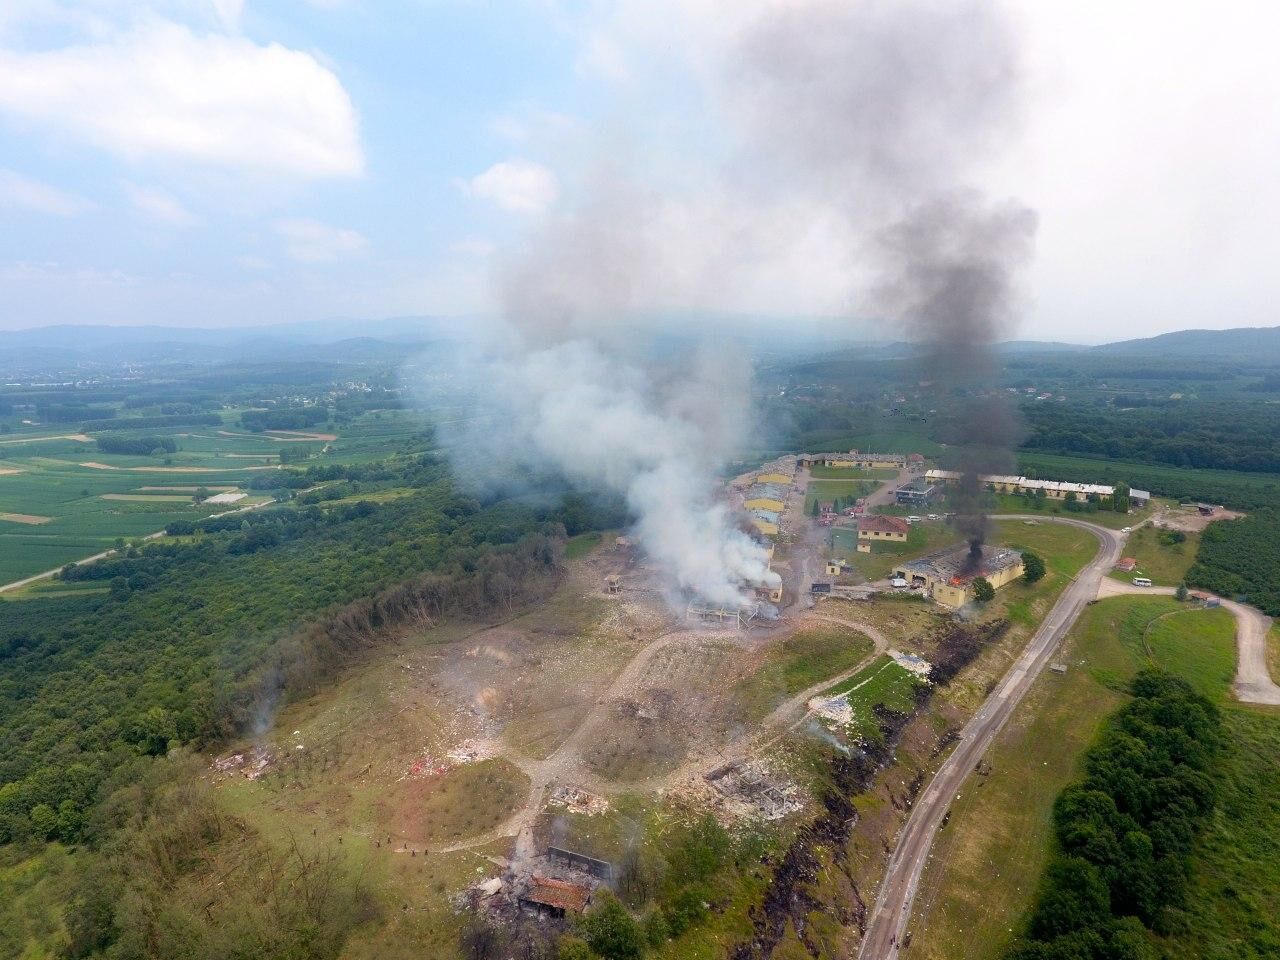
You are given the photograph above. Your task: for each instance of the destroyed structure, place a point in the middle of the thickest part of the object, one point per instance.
(721, 615)
(947, 576)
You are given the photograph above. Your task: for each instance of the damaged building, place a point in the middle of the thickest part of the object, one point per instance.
(947, 576)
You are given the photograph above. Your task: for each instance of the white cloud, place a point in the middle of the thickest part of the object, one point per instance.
(257, 264)
(161, 91)
(311, 241)
(159, 205)
(27, 194)
(519, 186)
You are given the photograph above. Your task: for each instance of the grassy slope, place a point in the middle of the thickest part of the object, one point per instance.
(1165, 564)
(800, 661)
(991, 854)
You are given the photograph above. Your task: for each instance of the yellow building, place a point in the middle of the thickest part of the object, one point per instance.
(765, 503)
(1053, 489)
(767, 527)
(948, 576)
(891, 529)
(778, 478)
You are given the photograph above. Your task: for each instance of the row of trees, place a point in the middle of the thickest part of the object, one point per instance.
(1218, 434)
(1242, 557)
(1124, 831)
(137, 446)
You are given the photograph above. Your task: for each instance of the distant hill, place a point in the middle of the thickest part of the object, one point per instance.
(1256, 343)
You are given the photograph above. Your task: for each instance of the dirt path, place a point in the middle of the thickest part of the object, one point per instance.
(80, 437)
(1253, 683)
(566, 764)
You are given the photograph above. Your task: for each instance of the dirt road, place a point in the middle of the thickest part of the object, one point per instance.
(887, 922)
(1253, 682)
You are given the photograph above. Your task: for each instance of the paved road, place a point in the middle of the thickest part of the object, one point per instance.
(888, 919)
(1253, 681)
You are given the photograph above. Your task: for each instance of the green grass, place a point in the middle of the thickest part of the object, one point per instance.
(33, 890)
(1166, 564)
(988, 860)
(882, 682)
(1009, 503)
(581, 545)
(921, 539)
(799, 662)
(820, 472)
(1065, 549)
(823, 491)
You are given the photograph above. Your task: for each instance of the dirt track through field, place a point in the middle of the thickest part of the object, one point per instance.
(27, 518)
(566, 764)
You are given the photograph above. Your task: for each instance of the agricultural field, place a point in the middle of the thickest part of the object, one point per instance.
(820, 472)
(62, 499)
(987, 861)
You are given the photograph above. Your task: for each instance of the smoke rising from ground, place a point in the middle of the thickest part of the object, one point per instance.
(849, 132)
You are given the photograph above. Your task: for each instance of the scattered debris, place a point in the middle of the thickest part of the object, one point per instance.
(576, 800)
(252, 764)
(909, 661)
(750, 785)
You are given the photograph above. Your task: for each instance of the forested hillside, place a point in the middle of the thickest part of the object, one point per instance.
(1242, 557)
(194, 639)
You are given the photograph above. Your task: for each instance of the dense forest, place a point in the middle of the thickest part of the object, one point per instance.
(1125, 830)
(193, 637)
(137, 446)
(1242, 558)
(1223, 435)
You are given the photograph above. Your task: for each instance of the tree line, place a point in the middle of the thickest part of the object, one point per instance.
(1125, 830)
(1242, 558)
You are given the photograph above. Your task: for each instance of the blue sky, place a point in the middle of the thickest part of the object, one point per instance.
(235, 162)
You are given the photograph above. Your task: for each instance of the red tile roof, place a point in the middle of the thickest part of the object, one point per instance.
(880, 524)
(558, 893)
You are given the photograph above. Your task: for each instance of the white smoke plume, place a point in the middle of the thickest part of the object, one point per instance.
(606, 424)
(847, 131)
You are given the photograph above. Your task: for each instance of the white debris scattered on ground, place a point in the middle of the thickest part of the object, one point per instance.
(470, 751)
(252, 763)
(837, 710)
(225, 497)
(909, 661)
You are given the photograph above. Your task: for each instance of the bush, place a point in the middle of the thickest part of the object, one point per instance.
(610, 931)
(983, 591)
(1033, 568)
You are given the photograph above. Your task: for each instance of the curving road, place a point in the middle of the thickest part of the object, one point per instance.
(887, 921)
(1253, 683)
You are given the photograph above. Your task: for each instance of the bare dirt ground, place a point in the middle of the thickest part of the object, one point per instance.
(28, 518)
(8, 471)
(1189, 519)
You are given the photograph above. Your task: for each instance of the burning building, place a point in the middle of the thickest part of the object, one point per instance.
(947, 576)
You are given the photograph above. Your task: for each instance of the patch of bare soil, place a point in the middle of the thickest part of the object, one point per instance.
(1190, 520)
(27, 518)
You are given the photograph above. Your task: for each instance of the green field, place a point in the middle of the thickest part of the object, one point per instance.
(880, 683)
(49, 478)
(819, 472)
(921, 539)
(989, 858)
(803, 659)
(827, 491)
(1166, 563)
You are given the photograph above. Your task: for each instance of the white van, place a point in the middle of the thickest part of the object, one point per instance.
(1142, 581)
